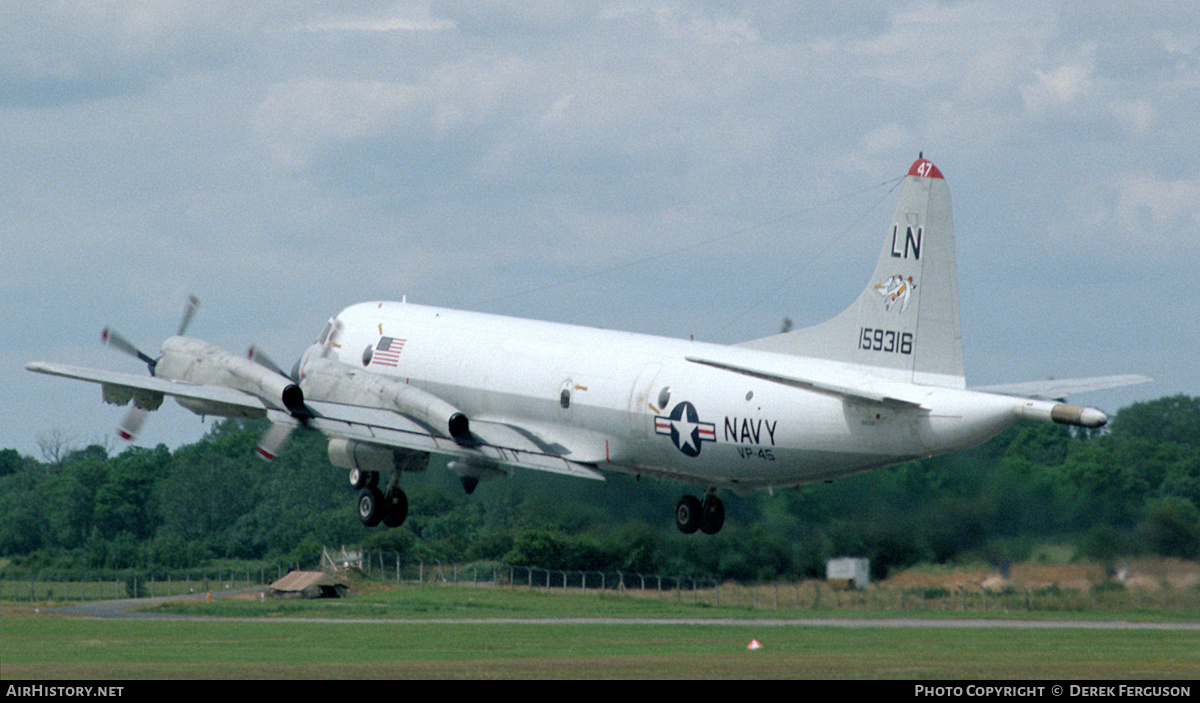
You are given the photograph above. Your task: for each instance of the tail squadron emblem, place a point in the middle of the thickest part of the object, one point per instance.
(896, 289)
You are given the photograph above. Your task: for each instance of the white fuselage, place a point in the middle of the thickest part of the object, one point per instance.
(636, 403)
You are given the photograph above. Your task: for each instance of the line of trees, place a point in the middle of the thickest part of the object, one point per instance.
(1132, 488)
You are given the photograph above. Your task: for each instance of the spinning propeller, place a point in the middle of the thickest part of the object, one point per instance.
(293, 399)
(131, 425)
(199, 363)
(260, 357)
(121, 343)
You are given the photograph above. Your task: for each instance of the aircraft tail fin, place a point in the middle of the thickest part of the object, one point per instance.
(905, 323)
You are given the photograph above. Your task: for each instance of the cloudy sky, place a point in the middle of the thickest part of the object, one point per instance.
(679, 168)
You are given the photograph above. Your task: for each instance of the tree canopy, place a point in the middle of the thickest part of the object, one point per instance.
(1133, 487)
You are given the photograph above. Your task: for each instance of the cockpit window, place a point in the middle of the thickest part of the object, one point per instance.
(325, 333)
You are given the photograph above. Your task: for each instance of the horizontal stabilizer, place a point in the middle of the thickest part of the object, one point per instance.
(1059, 388)
(857, 393)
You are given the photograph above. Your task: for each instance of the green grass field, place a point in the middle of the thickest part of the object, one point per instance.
(364, 640)
(372, 600)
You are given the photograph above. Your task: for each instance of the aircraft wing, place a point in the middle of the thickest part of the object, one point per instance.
(1057, 389)
(118, 388)
(495, 442)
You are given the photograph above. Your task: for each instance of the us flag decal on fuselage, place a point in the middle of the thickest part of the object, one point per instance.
(387, 352)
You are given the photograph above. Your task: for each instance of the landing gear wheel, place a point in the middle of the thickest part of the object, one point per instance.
(395, 505)
(712, 512)
(688, 514)
(363, 479)
(371, 506)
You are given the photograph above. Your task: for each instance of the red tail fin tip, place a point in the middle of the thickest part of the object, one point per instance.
(924, 168)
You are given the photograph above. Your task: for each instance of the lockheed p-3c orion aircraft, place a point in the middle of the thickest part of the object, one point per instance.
(392, 383)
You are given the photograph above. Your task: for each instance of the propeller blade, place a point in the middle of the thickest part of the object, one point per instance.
(188, 311)
(273, 440)
(132, 424)
(114, 339)
(260, 357)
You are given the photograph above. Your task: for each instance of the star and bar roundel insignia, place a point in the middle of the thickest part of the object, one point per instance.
(684, 428)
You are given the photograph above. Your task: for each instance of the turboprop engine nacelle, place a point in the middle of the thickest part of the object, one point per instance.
(196, 361)
(335, 382)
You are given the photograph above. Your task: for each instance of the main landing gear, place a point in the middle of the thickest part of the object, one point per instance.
(692, 514)
(389, 506)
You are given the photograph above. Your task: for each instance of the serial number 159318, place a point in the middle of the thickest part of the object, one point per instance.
(889, 341)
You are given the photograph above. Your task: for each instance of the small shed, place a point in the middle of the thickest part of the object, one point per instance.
(848, 572)
(308, 584)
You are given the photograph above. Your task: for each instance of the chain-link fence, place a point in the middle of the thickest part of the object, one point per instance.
(796, 595)
(59, 587)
